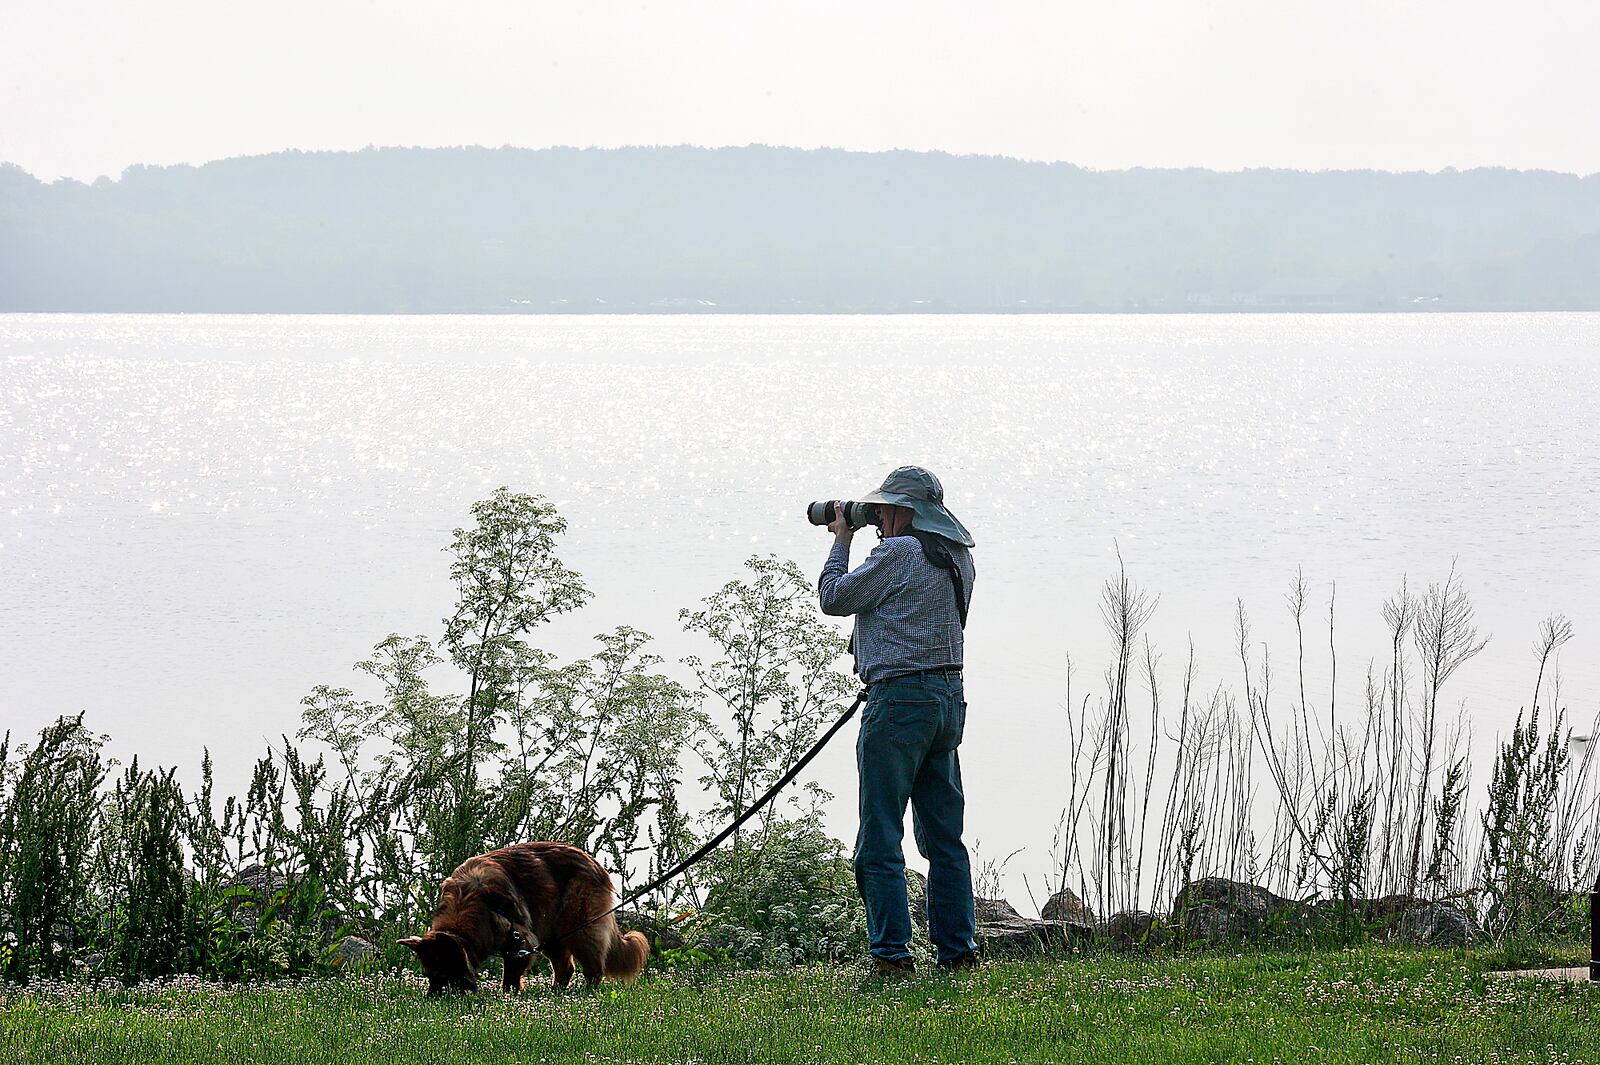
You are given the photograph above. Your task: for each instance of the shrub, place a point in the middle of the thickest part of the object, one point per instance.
(1518, 863)
(141, 866)
(775, 678)
(790, 901)
(47, 832)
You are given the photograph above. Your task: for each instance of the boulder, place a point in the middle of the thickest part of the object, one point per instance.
(1132, 928)
(1064, 905)
(917, 896)
(351, 951)
(996, 911)
(1382, 909)
(1207, 923)
(257, 885)
(1007, 939)
(1025, 936)
(1440, 924)
(1062, 934)
(258, 879)
(1248, 899)
(1216, 909)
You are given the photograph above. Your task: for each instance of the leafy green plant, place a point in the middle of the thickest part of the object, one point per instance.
(48, 911)
(1518, 863)
(587, 752)
(793, 902)
(140, 863)
(773, 683)
(689, 957)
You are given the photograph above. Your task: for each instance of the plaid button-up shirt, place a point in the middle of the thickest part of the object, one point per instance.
(905, 606)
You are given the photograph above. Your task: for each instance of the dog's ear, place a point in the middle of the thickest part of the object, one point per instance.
(414, 942)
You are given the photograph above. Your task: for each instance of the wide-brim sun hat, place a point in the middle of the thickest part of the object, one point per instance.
(920, 490)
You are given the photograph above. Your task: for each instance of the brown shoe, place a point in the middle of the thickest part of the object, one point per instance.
(893, 966)
(969, 960)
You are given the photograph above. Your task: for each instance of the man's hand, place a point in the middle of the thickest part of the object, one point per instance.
(841, 531)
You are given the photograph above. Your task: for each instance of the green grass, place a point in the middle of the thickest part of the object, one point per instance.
(1362, 1005)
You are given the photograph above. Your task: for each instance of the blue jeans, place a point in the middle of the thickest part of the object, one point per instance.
(906, 751)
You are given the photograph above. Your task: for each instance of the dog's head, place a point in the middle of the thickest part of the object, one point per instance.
(444, 958)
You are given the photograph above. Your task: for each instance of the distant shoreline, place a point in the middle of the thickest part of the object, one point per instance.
(781, 231)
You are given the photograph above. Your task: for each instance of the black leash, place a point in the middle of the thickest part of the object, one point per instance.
(754, 808)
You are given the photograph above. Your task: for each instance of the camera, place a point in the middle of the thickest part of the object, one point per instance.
(856, 515)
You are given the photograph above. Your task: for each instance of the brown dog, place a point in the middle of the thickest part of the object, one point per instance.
(528, 896)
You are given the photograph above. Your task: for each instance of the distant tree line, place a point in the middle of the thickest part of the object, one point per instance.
(776, 229)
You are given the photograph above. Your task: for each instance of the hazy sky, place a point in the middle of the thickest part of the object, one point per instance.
(87, 88)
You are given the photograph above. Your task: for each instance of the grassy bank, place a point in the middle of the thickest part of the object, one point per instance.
(1361, 1005)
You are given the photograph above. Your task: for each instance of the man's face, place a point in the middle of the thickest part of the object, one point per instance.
(893, 520)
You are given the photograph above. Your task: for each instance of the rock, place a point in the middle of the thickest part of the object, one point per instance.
(1007, 939)
(1132, 928)
(1249, 899)
(1061, 934)
(1066, 909)
(1025, 936)
(1216, 909)
(1440, 924)
(1209, 923)
(1383, 908)
(1065, 906)
(351, 951)
(258, 886)
(917, 895)
(996, 911)
(663, 938)
(258, 879)
(1340, 911)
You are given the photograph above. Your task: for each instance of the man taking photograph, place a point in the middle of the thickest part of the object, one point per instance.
(909, 598)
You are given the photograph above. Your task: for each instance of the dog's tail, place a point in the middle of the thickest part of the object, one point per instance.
(626, 955)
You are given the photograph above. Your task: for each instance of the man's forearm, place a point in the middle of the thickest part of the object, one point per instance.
(833, 571)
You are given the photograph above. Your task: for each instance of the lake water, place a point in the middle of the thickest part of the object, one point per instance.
(201, 517)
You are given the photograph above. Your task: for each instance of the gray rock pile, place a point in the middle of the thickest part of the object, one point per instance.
(1213, 910)
(351, 951)
(1216, 910)
(252, 890)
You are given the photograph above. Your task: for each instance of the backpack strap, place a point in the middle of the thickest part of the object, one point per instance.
(936, 549)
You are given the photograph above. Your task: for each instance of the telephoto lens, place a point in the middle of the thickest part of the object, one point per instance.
(856, 515)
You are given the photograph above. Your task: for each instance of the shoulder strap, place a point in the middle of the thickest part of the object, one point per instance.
(937, 551)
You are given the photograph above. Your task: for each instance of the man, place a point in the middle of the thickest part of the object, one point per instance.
(909, 598)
